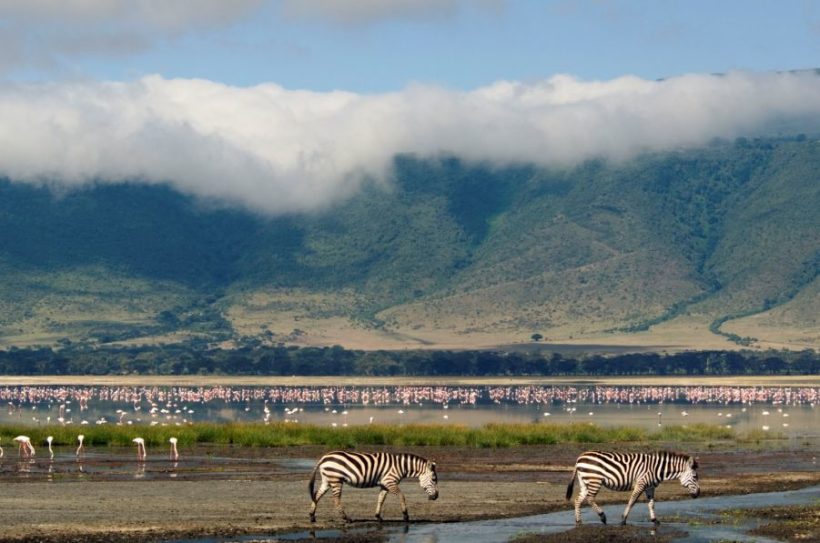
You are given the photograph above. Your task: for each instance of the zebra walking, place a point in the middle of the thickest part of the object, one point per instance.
(639, 472)
(368, 470)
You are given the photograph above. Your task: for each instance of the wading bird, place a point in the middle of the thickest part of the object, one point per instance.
(80, 438)
(49, 439)
(24, 446)
(174, 452)
(140, 448)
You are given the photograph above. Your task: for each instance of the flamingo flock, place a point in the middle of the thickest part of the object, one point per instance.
(176, 405)
(26, 449)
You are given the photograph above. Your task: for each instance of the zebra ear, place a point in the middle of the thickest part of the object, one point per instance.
(693, 462)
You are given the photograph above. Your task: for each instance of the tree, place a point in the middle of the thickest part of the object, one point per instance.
(536, 337)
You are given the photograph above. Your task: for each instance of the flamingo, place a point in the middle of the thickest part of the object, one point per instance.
(174, 452)
(2, 452)
(24, 442)
(140, 448)
(49, 439)
(80, 448)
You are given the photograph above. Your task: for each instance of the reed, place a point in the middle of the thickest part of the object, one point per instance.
(284, 434)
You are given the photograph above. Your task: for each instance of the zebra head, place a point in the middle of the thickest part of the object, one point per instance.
(689, 477)
(429, 480)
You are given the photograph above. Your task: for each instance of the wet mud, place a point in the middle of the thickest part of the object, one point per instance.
(226, 491)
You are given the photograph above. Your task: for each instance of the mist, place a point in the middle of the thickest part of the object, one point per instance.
(275, 150)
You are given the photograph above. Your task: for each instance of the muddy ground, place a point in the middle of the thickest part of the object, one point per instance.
(109, 496)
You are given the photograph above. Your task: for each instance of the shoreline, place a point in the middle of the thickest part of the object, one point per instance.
(231, 491)
(363, 381)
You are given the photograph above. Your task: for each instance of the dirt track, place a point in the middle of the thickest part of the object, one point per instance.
(250, 492)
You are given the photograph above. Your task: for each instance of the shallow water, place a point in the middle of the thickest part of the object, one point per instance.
(689, 517)
(791, 411)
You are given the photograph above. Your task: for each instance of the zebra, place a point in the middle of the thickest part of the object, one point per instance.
(639, 472)
(367, 470)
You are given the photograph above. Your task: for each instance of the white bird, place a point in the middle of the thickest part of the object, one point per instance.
(80, 438)
(25, 448)
(140, 448)
(49, 439)
(2, 452)
(174, 452)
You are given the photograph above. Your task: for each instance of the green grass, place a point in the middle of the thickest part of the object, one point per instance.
(284, 435)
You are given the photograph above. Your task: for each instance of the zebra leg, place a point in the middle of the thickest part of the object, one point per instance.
(636, 493)
(579, 499)
(323, 488)
(650, 495)
(394, 489)
(592, 491)
(336, 488)
(380, 503)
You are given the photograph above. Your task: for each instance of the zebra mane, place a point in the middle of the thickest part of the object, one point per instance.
(674, 455)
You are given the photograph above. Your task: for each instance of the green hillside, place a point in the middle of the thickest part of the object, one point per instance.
(445, 252)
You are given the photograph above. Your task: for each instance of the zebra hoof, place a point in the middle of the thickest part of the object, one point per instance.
(406, 517)
(603, 517)
(656, 522)
(379, 518)
(623, 522)
(312, 518)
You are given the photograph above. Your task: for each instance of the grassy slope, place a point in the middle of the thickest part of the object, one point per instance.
(447, 253)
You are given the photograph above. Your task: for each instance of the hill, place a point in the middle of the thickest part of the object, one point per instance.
(691, 248)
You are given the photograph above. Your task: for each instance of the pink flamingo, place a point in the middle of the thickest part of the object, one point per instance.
(25, 448)
(140, 448)
(80, 448)
(49, 439)
(174, 452)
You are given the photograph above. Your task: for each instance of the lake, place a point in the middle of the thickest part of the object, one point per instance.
(789, 410)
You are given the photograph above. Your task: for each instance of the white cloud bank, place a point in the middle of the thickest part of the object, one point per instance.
(276, 150)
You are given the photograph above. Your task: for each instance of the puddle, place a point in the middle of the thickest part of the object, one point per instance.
(690, 516)
(121, 464)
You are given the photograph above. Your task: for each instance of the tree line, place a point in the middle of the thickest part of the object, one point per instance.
(191, 359)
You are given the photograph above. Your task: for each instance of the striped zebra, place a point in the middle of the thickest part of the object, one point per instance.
(368, 470)
(638, 472)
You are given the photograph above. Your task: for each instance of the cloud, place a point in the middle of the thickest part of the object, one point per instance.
(362, 12)
(48, 34)
(167, 15)
(277, 151)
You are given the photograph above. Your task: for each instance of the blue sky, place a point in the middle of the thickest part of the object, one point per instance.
(288, 105)
(382, 45)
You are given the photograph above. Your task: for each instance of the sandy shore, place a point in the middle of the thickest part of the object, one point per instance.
(251, 491)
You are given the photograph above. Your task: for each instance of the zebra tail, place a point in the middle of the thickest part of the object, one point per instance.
(571, 484)
(312, 483)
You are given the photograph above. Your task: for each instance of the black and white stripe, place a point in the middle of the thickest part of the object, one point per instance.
(638, 472)
(367, 470)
